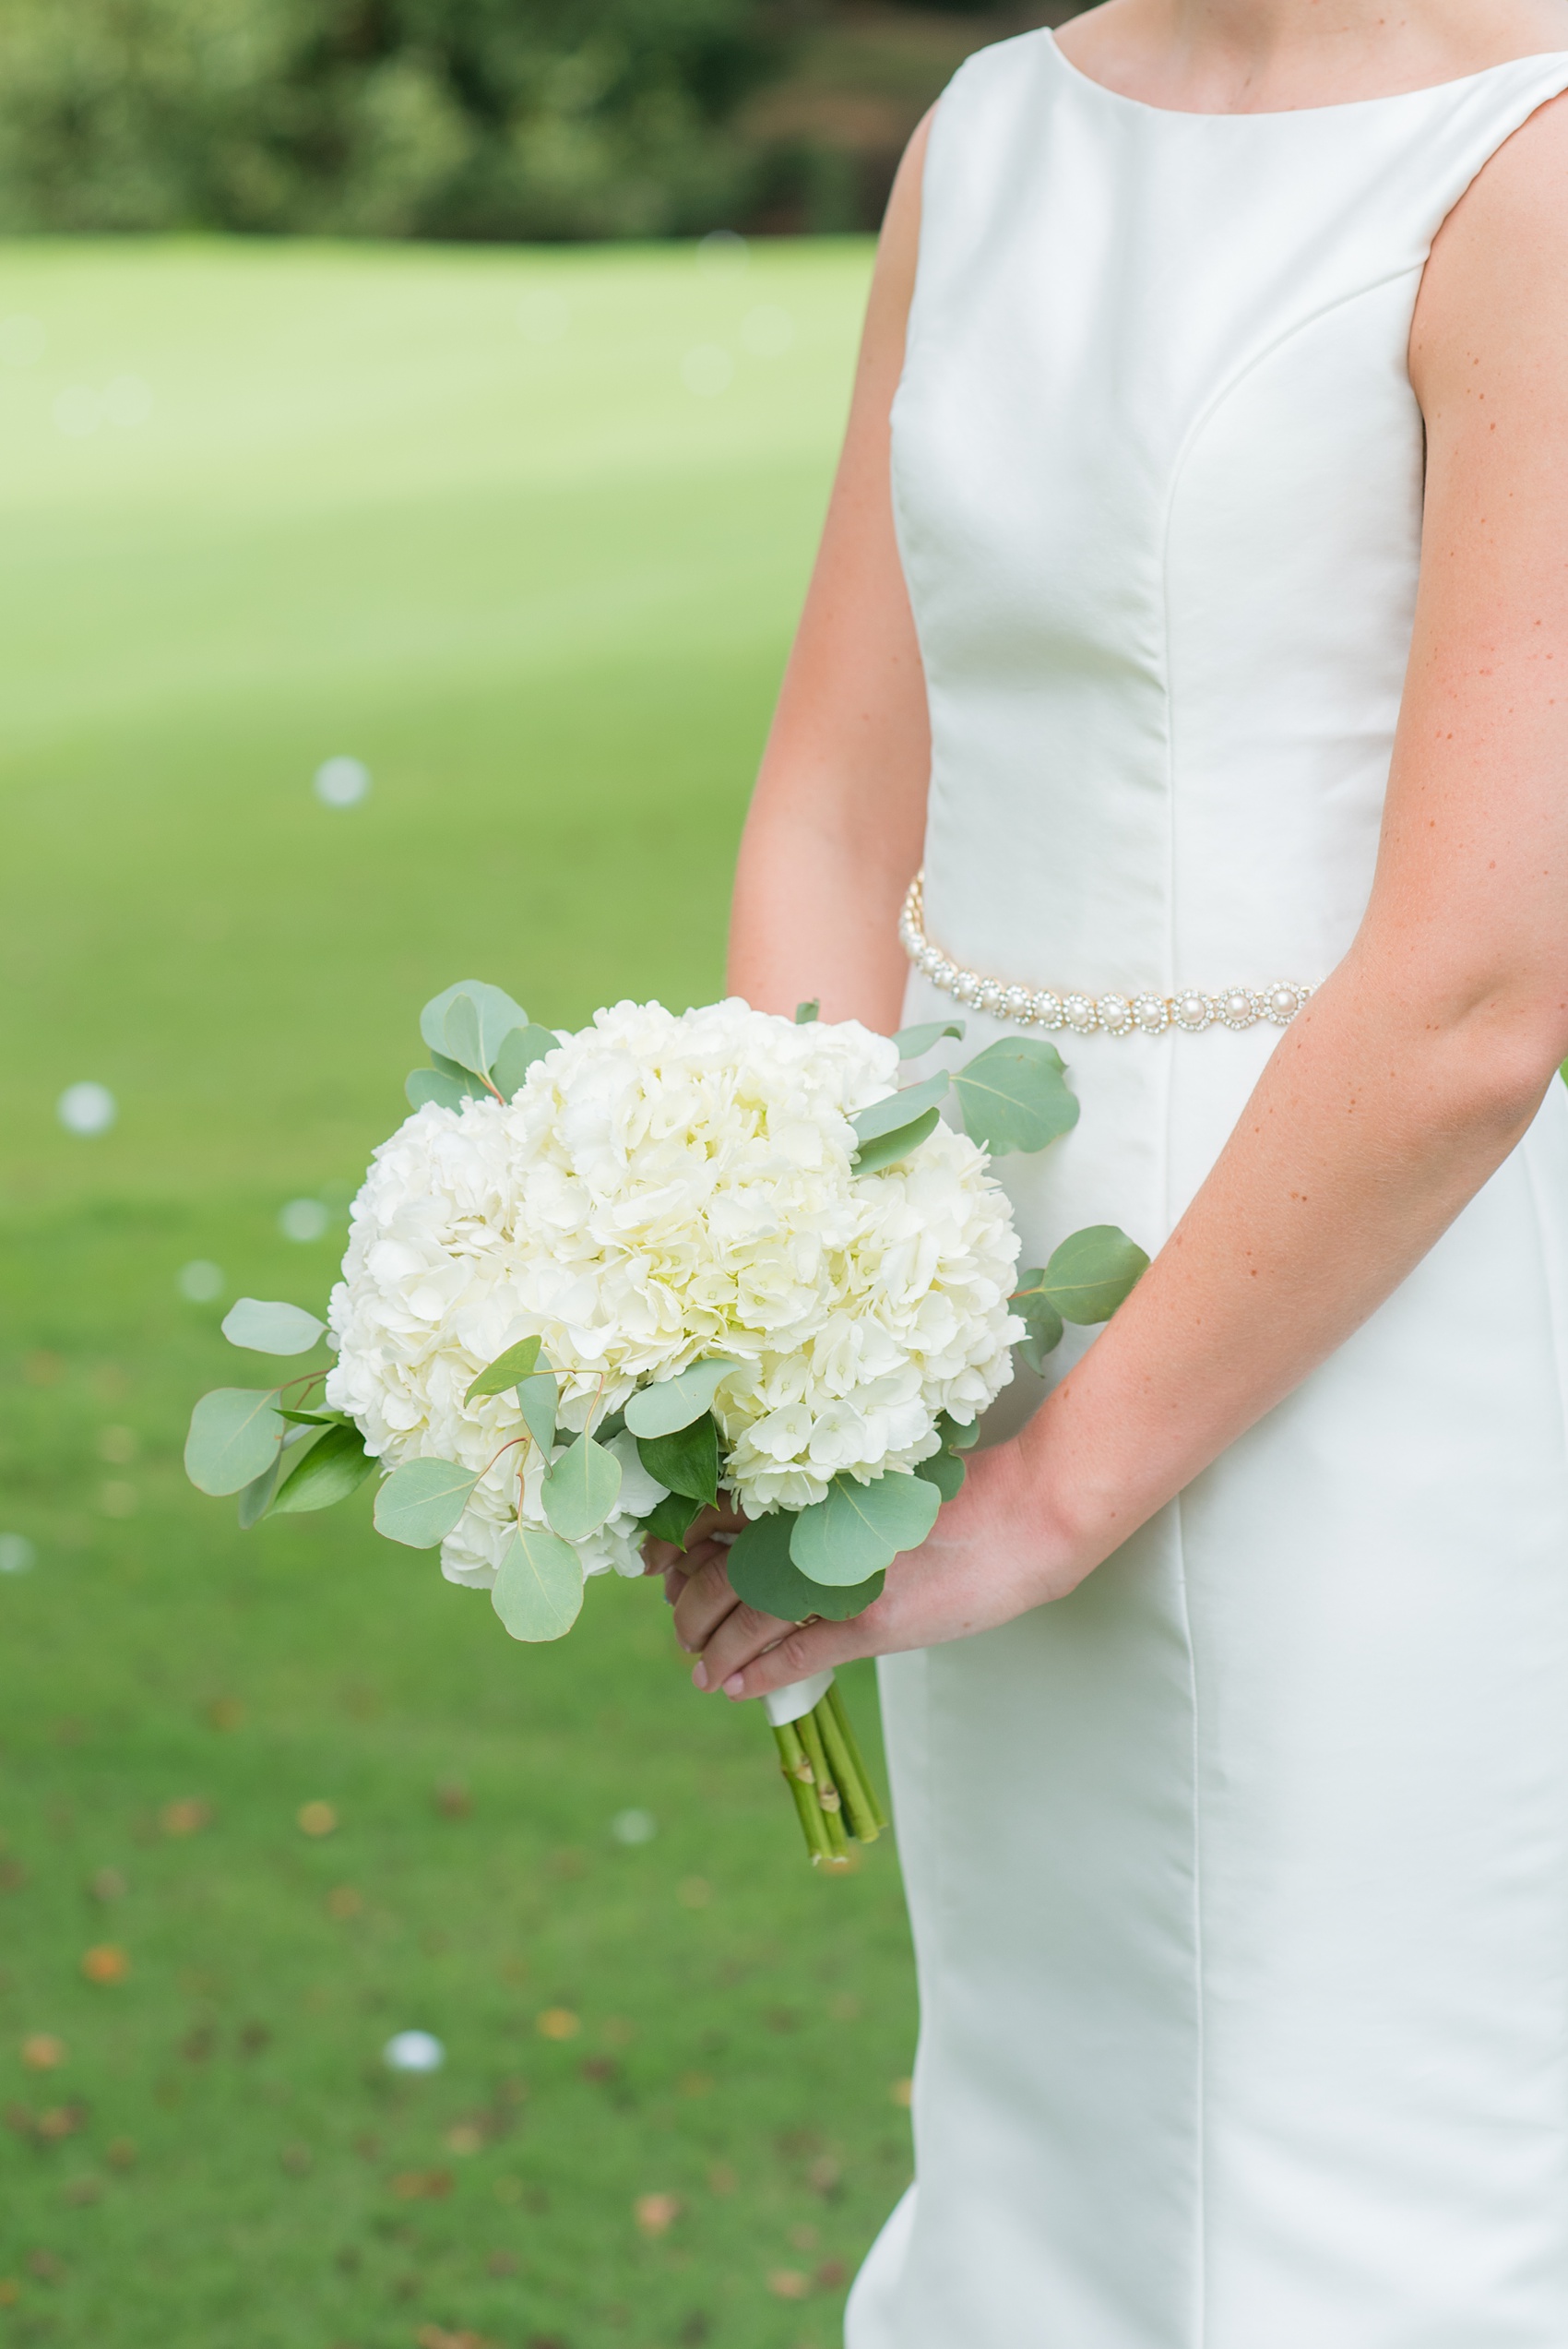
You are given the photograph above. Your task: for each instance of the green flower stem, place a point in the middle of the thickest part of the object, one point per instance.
(797, 1776)
(849, 1772)
(827, 1794)
(833, 1703)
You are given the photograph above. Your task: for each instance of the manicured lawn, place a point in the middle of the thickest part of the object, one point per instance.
(460, 516)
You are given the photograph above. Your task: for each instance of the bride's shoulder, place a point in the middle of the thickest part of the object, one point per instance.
(1494, 293)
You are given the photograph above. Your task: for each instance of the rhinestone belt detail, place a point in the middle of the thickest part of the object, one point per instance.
(1116, 1015)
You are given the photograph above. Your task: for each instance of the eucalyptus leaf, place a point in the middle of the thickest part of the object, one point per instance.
(913, 1041)
(901, 1109)
(334, 1466)
(234, 1436)
(946, 1470)
(498, 1015)
(1091, 1273)
(581, 1489)
(672, 1518)
(1014, 1096)
(471, 1088)
(461, 1038)
(859, 1529)
(314, 1418)
(807, 1014)
(687, 1461)
(255, 1498)
(675, 1402)
(613, 1424)
(957, 1435)
(422, 1501)
(1043, 1325)
(519, 1050)
(763, 1574)
(538, 1400)
(422, 1085)
(270, 1328)
(872, 1157)
(539, 1585)
(508, 1369)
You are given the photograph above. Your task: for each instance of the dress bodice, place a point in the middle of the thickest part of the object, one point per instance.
(1157, 471)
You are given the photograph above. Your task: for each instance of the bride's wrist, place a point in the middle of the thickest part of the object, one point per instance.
(1033, 1523)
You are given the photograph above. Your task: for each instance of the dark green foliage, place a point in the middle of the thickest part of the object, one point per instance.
(445, 118)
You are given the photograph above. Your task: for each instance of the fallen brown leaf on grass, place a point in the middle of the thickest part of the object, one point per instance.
(656, 2213)
(344, 1902)
(315, 1818)
(42, 2052)
(435, 2336)
(61, 2120)
(187, 1816)
(559, 2023)
(788, 2283)
(417, 2186)
(106, 1963)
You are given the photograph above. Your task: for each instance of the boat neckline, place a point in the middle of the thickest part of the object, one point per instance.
(1288, 114)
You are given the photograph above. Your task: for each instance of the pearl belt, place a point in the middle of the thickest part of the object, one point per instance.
(1117, 1015)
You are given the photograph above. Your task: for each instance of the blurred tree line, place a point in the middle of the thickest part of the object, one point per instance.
(467, 118)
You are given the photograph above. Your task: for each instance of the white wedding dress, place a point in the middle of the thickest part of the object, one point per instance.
(1239, 1878)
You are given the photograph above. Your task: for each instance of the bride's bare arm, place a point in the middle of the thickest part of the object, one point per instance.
(838, 817)
(1414, 1069)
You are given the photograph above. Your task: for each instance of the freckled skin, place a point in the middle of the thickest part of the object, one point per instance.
(1418, 1064)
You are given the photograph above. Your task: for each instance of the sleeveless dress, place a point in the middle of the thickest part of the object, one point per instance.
(1240, 1878)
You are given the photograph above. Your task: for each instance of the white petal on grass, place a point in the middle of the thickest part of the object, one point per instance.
(303, 1219)
(22, 340)
(17, 1555)
(87, 1109)
(128, 401)
(707, 370)
(634, 1827)
(78, 412)
(199, 1281)
(342, 782)
(413, 2051)
(543, 316)
(768, 331)
(723, 249)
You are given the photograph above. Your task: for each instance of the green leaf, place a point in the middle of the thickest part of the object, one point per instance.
(421, 1085)
(508, 1369)
(255, 1498)
(672, 1518)
(1043, 1323)
(613, 1424)
(582, 1488)
(901, 1109)
(460, 1036)
(957, 1435)
(314, 1418)
(538, 1399)
(912, 1041)
(807, 1014)
(422, 1501)
(687, 1462)
(497, 1016)
(1014, 1096)
(675, 1402)
(271, 1328)
(234, 1436)
(872, 1157)
(1092, 1272)
(471, 1088)
(334, 1466)
(519, 1052)
(538, 1588)
(859, 1529)
(763, 1573)
(946, 1470)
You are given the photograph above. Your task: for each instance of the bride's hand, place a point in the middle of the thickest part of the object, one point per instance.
(991, 1554)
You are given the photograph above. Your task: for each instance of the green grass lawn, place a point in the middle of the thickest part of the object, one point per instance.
(460, 516)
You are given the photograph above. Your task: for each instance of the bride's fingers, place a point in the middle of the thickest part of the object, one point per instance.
(705, 1600)
(804, 1650)
(744, 1635)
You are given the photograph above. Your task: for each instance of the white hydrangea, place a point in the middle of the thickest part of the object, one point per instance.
(665, 1187)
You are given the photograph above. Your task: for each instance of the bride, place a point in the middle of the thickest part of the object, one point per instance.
(1194, 606)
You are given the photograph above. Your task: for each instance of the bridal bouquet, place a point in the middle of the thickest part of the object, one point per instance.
(598, 1280)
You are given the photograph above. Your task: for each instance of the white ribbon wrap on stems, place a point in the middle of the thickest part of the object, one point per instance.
(785, 1705)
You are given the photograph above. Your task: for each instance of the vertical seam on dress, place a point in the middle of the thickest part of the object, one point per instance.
(1200, 2277)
